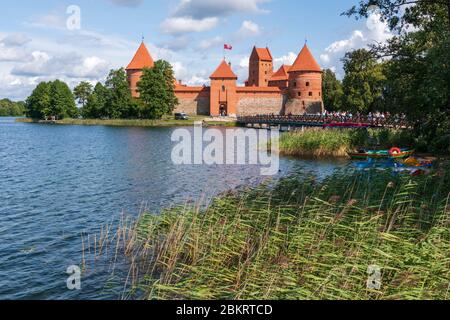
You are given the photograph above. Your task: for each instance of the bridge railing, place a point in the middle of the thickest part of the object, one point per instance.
(315, 120)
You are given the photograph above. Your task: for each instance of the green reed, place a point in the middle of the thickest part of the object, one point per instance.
(300, 238)
(337, 143)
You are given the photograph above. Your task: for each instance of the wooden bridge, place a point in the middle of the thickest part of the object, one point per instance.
(286, 123)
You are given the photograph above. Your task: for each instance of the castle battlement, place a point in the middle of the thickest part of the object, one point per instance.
(295, 89)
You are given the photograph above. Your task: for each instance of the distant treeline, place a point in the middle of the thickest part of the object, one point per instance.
(111, 100)
(10, 108)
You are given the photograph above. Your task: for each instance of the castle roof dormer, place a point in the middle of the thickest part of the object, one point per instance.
(305, 62)
(142, 59)
(224, 72)
(281, 74)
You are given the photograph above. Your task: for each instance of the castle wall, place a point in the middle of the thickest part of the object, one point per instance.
(193, 100)
(253, 101)
(299, 107)
(282, 84)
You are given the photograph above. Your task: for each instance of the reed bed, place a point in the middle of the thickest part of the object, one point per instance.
(298, 238)
(319, 143)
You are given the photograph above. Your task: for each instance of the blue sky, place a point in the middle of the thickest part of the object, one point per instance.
(36, 44)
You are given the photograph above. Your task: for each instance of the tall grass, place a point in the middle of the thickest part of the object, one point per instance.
(337, 143)
(300, 238)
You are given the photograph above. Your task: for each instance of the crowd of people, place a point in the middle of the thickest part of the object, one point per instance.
(374, 118)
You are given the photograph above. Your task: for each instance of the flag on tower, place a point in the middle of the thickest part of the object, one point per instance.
(228, 47)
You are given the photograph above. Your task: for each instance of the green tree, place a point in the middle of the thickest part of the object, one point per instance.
(38, 103)
(10, 108)
(82, 92)
(120, 104)
(363, 82)
(418, 73)
(95, 107)
(156, 89)
(62, 101)
(51, 99)
(332, 91)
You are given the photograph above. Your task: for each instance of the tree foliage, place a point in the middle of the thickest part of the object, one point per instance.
(156, 89)
(96, 102)
(119, 102)
(10, 108)
(332, 91)
(51, 99)
(62, 101)
(82, 92)
(363, 82)
(418, 68)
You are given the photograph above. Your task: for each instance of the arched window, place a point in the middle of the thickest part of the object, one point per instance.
(307, 84)
(310, 94)
(223, 88)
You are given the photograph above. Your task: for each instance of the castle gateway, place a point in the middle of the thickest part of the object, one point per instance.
(295, 89)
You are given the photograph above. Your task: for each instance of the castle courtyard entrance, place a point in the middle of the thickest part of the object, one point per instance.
(223, 110)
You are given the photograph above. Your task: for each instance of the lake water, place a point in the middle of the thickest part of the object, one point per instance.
(57, 182)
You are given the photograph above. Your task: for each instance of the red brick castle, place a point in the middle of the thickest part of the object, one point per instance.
(295, 89)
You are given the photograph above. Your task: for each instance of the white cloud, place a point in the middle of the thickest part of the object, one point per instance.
(249, 29)
(200, 9)
(15, 40)
(245, 62)
(179, 70)
(92, 68)
(196, 80)
(203, 15)
(286, 59)
(209, 43)
(375, 31)
(54, 20)
(179, 25)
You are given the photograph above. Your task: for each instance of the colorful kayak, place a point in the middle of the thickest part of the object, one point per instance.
(394, 153)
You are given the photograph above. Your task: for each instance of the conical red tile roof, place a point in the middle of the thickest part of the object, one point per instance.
(305, 62)
(142, 59)
(224, 71)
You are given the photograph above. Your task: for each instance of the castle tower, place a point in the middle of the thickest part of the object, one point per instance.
(223, 91)
(260, 68)
(305, 85)
(142, 59)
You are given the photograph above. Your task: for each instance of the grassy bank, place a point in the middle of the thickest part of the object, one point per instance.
(337, 143)
(300, 239)
(165, 122)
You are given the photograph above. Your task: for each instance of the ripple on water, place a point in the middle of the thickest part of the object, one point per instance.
(58, 182)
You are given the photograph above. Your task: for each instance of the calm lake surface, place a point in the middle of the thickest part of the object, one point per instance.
(57, 182)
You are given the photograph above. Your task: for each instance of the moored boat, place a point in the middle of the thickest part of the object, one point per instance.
(394, 153)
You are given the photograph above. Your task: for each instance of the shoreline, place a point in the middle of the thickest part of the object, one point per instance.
(165, 122)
